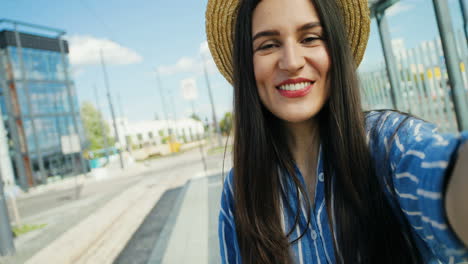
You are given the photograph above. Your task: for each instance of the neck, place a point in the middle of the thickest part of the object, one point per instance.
(304, 141)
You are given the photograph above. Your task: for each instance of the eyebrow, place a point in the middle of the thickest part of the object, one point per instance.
(310, 26)
(270, 33)
(266, 33)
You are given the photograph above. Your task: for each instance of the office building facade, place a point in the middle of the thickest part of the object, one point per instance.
(39, 106)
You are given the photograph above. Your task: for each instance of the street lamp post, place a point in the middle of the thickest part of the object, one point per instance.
(106, 80)
(103, 131)
(163, 104)
(189, 92)
(446, 31)
(7, 246)
(464, 11)
(213, 110)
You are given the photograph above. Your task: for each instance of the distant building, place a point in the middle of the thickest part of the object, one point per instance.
(155, 132)
(39, 104)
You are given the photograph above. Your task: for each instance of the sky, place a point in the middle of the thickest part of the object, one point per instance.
(140, 37)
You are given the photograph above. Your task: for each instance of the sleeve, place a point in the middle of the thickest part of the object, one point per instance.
(228, 244)
(419, 161)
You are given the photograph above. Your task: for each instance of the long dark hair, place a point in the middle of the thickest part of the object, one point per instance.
(365, 227)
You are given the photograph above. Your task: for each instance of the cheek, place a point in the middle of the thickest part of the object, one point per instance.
(326, 65)
(260, 74)
(257, 70)
(262, 70)
(323, 62)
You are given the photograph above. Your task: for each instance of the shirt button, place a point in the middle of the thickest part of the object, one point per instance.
(314, 235)
(321, 177)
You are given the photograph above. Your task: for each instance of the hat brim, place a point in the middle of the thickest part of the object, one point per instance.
(220, 20)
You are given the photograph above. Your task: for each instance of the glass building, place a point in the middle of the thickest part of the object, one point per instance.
(39, 105)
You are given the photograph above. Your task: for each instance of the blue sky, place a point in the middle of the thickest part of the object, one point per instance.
(139, 36)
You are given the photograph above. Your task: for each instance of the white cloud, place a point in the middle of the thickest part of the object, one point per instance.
(204, 49)
(184, 64)
(84, 50)
(398, 8)
(191, 64)
(205, 52)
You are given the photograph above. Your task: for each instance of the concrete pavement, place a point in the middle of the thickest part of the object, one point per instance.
(191, 232)
(189, 241)
(102, 236)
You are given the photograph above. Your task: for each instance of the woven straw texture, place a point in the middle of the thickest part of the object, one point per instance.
(220, 16)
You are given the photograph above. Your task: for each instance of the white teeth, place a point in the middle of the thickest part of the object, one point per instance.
(295, 87)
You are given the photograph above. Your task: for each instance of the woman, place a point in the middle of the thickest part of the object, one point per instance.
(315, 180)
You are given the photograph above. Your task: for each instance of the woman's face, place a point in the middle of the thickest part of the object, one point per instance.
(291, 61)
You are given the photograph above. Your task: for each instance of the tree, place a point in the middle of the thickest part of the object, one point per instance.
(93, 124)
(226, 123)
(195, 117)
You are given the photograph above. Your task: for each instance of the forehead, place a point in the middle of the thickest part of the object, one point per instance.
(283, 14)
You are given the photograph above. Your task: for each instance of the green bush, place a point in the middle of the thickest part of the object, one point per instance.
(21, 230)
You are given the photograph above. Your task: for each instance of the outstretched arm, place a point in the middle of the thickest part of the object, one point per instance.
(421, 161)
(456, 197)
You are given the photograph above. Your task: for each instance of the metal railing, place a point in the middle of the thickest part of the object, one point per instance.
(423, 88)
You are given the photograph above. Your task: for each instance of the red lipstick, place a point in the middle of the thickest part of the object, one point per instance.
(296, 93)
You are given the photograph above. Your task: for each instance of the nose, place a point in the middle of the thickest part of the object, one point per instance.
(291, 59)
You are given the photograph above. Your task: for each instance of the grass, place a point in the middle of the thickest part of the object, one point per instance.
(21, 230)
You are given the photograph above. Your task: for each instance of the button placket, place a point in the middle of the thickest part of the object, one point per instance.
(314, 234)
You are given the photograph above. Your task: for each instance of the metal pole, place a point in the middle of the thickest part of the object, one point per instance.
(200, 144)
(6, 240)
(213, 110)
(120, 114)
(103, 131)
(386, 41)
(25, 82)
(5, 158)
(6, 168)
(7, 247)
(124, 124)
(71, 102)
(20, 150)
(163, 102)
(174, 112)
(464, 12)
(106, 81)
(447, 36)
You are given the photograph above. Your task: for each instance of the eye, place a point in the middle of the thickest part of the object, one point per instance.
(267, 46)
(310, 40)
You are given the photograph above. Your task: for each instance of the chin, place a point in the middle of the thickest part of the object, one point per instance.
(296, 117)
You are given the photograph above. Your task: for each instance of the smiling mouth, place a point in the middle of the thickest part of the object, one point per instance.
(295, 87)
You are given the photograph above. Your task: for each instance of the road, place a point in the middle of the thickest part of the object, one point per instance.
(60, 211)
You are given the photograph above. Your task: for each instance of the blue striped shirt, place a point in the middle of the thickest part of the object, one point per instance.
(418, 158)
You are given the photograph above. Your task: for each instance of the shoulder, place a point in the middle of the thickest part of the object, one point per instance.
(229, 180)
(386, 126)
(227, 196)
(404, 138)
(389, 120)
(227, 201)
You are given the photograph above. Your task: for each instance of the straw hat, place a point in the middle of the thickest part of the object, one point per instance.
(220, 22)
